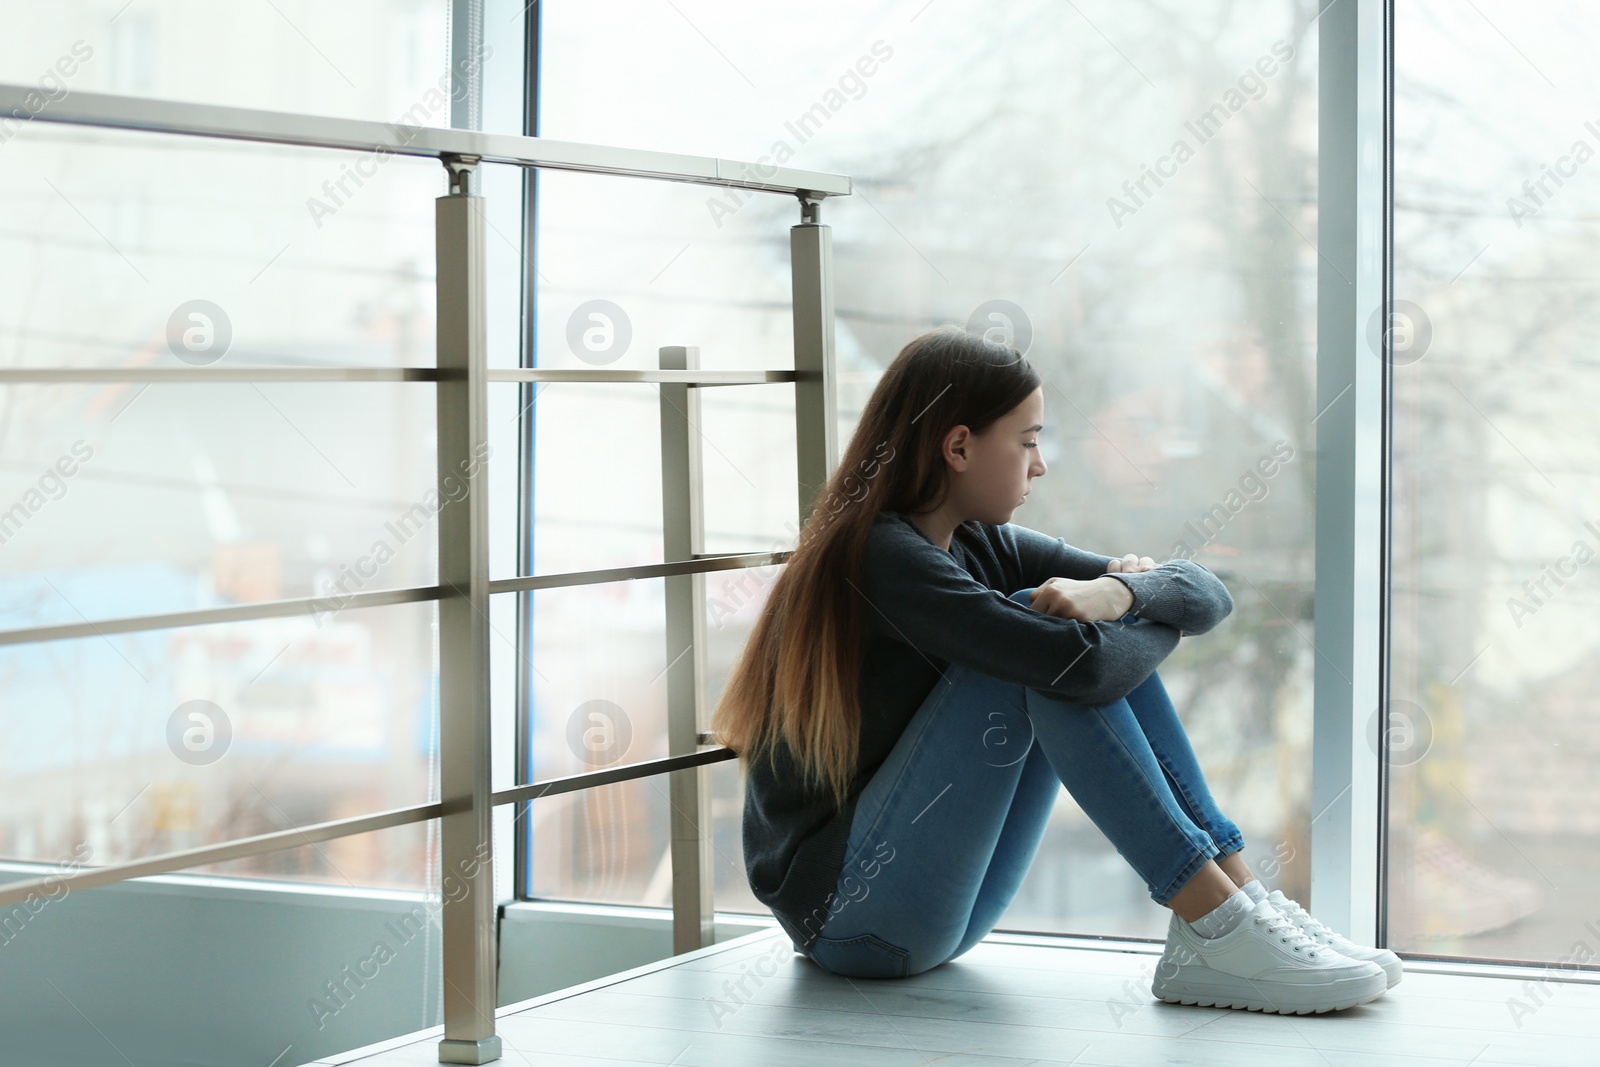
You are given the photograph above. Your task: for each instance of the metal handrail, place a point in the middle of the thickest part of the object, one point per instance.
(610, 775)
(70, 375)
(67, 375)
(316, 605)
(110, 111)
(664, 377)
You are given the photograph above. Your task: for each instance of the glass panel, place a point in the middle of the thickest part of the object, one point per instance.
(599, 669)
(145, 743)
(145, 250)
(611, 844)
(603, 845)
(1132, 206)
(629, 265)
(191, 495)
(1494, 837)
(599, 700)
(368, 59)
(598, 464)
(748, 468)
(597, 473)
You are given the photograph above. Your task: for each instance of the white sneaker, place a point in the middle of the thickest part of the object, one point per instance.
(1265, 964)
(1325, 935)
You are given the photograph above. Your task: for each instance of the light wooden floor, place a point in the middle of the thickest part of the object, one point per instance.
(1010, 1001)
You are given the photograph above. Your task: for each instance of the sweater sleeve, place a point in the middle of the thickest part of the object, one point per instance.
(1181, 593)
(921, 596)
(1044, 557)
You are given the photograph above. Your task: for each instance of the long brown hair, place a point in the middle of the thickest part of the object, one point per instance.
(803, 691)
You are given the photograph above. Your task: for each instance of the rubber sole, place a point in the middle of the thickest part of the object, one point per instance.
(1358, 993)
(1268, 1009)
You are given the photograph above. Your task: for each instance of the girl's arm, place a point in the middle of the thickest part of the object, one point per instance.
(1181, 593)
(917, 594)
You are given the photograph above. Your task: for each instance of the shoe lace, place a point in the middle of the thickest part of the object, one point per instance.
(1285, 929)
(1308, 922)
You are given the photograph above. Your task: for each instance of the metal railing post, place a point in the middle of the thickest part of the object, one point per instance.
(466, 848)
(816, 420)
(683, 537)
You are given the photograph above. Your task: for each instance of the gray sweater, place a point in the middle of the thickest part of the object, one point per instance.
(925, 608)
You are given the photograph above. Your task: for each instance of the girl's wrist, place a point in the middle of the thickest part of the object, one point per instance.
(1122, 589)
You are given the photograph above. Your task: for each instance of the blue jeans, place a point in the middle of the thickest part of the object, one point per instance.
(948, 826)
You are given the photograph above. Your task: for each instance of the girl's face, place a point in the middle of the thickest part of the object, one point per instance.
(1001, 463)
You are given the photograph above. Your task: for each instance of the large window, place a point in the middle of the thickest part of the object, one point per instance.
(1127, 196)
(1495, 805)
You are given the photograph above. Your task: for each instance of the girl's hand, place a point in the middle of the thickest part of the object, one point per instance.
(1130, 563)
(1102, 599)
